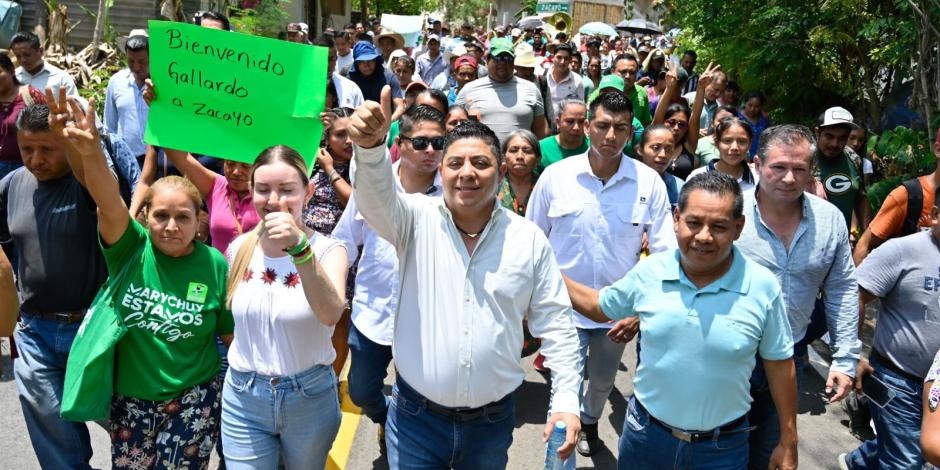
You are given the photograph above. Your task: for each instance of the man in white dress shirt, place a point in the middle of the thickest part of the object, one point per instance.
(36, 72)
(595, 209)
(376, 298)
(470, 272)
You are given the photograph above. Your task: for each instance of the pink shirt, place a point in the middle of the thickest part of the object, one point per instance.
(224, 219)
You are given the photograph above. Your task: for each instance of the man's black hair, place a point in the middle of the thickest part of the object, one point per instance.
(471, 129)
(363, 37)
(732, 85)
(137, 43)
(418, 113)
(212, 15)
(342, 35)
(324, 40)
(614, 102)
(348, 26)
(26, 37)
(691, 54)
(33, 118)
(564, 47)
(624, 56)
(713, 182)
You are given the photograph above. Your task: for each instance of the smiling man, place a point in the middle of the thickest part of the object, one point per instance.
(595, 208)
(801, 239)
(470, 272)
(706, 312)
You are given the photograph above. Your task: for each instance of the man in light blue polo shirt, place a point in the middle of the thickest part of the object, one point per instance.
(125, 110)
(705, 312)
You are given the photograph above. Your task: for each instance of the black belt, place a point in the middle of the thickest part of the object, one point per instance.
(69, 317)
(457, 414)
(890, 365)
(698, 436)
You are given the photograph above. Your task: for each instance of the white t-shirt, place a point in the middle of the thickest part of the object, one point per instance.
(276, 331)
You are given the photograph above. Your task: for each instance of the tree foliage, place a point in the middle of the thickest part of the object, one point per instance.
(811, 54)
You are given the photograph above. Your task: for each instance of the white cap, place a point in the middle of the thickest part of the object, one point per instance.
(837, 116)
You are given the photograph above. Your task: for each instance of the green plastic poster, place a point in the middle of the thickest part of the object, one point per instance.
(231, 95)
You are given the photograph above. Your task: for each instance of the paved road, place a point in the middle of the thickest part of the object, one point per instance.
(823, 434)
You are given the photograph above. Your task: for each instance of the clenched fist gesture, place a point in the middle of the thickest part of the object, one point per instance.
(281, 228)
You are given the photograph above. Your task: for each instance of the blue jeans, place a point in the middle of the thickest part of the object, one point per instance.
(897, 426)
(763, 414)
(367, 373)
(418, 438)
(647, 445)
(40, 374)
(600, 359)
(294, 416)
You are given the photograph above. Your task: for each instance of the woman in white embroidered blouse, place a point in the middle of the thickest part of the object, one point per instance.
(285, 290)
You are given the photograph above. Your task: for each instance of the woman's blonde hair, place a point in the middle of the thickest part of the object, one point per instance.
(242, 258)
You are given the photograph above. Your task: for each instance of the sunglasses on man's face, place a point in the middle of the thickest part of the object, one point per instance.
(421, 143)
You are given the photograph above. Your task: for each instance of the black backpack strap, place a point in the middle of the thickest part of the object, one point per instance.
(915, 204)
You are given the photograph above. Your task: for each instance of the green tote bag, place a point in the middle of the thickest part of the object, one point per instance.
(89, 373)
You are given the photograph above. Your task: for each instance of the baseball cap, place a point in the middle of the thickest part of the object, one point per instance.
(501, 46)
(297, 28)
(138, 32)
(837, 116)
(434, 37)
(608, 82)
(465, 60)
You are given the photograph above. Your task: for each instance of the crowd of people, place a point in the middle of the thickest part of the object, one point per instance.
(477, 199)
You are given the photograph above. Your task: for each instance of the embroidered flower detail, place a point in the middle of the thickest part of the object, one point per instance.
(292, 279)
(269, 276)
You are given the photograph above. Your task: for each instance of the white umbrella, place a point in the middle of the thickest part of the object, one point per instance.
(596, 28)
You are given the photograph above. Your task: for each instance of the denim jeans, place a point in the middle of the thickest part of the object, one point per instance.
(763, 414)
(367, 373)
(645, 445)
(418, 438)
(897, 426)
(600, 359)
(294, 416)
(40, 374)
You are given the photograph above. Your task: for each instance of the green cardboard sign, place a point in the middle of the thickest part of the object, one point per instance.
(231, 95)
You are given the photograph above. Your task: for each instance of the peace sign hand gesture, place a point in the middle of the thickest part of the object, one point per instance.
(73, 127)
(708, 76)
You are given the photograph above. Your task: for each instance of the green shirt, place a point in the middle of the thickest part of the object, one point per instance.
(553, 153)
(842, 182)
(706, 150)
(173, 308)
(641, 105)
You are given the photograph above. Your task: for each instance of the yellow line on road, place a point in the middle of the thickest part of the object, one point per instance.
(342, 446)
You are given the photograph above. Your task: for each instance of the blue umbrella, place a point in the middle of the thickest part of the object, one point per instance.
(596, 28)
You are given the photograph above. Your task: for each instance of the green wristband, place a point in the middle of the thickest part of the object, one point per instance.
(303, 260)
(300, 246)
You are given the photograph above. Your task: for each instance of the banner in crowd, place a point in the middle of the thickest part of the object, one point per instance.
(231, 95)
(408, 26)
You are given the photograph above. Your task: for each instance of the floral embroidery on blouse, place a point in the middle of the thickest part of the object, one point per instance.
(933, 397)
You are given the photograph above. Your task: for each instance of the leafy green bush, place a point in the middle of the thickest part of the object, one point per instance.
(267, 19)
(900, 154)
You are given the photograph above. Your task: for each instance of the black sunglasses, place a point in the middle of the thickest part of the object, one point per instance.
(421, 143)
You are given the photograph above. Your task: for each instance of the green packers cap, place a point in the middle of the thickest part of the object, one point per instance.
(500, 46)
(609, 81)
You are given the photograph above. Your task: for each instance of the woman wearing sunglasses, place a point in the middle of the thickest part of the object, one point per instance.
(331, 192)
(679, 119)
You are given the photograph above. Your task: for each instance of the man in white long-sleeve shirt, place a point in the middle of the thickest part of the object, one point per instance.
(595, 209)
(470, 271)
(376, 299)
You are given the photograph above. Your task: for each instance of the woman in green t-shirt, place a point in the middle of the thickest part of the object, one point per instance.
(166, 403)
